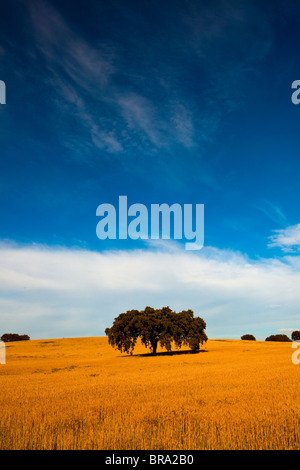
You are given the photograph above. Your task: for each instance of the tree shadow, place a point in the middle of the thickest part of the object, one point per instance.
(166, 353)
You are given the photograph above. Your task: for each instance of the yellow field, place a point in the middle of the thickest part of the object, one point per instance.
(82, 394)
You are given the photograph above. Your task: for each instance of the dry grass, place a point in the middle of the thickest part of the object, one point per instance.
(82, 394)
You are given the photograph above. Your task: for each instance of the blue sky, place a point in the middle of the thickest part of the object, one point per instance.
(165, 102)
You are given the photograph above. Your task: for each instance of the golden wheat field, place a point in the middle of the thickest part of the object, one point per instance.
(82, 394)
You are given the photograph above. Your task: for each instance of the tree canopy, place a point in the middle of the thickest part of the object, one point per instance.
(9, 337)
(296, 335)
(248, 338)
(157, 326)
(281, 338)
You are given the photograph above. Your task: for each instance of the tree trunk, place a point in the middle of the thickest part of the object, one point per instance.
(154, 346)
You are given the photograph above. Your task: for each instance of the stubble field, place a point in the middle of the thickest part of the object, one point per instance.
(82, 394)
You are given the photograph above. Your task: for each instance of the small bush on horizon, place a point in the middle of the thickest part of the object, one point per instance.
(248, 337)
(296, 335)
(283, 338)
(9, 337)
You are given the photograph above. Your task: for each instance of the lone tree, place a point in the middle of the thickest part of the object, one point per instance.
(282, 338)
(248, 337)
(155, 326)
(9, 337)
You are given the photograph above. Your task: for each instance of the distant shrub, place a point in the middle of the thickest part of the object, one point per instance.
(248, 337)
(296, 335)
(283, 338)
(9, 337)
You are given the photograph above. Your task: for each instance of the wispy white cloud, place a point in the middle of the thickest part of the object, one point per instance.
(286, 331)
(105, 140)
(272, 211)
(85, 64)
(182, 121)
(139, 113)
(288, 239)
(81, 76)
(55, 292)
(121, 103)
